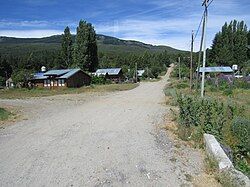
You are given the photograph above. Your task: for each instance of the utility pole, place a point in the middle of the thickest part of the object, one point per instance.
(147, 73)
(199, 59)
(136, 72)
(179, 60)
(191, 61)
(205, 3)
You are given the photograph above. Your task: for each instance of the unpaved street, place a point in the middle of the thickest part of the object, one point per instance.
(96, 140)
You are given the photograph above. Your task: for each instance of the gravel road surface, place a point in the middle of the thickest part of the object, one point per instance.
(110, 139)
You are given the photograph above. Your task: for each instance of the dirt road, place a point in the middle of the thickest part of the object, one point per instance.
(106, 140)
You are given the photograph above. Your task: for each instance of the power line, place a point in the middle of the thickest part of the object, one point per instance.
(202, 20)
(210, 3)
(199, 26)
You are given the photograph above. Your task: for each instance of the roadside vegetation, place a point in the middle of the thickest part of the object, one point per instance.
(4, 114)
(224, 113)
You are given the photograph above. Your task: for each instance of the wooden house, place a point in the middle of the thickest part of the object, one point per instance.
(71, 78)
(113, 74)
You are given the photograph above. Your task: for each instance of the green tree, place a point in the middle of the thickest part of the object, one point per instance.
(230, 45)
(85, 51)
(2, 81)
(21, 77)
(67, 44)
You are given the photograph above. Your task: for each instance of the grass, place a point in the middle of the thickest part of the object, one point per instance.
(4, 114)
(43, 92)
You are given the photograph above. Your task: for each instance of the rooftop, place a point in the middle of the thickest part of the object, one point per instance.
(109, 71)
(225, 69)
(60, 74)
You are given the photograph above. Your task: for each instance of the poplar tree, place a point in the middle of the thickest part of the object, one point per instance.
(85, 50)
(230, 45)
(67, 48)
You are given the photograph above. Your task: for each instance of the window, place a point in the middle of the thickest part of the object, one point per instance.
(61, 82)
(45, 83)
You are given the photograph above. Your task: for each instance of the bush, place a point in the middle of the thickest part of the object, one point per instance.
(241, 83)
(155, 70)
(4, 114)
(99, 80)
(182, 85)
(22, 77)
(241, 130)
(2, 81)
(225, 121)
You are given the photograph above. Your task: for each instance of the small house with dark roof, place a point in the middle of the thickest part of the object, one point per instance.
(71, 78)
(113, 74)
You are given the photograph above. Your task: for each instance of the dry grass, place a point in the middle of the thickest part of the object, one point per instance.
(42, 92)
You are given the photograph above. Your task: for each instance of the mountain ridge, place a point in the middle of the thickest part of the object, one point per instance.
(105, 43)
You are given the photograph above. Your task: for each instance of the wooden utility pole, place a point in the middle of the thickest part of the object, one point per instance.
(179, 60)
(136, 79)
(191, 61)
(205, 3)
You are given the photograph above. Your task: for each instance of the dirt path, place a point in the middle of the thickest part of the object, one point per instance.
(107, 140)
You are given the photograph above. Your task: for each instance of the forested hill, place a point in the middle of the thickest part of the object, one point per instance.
(105, 44)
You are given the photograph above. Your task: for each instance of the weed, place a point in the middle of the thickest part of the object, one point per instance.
(4, 114)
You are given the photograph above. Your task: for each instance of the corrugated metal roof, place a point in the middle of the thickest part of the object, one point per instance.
(40, 76)
(226, 69)
(109, 71)
(70, 73)
(58, 72)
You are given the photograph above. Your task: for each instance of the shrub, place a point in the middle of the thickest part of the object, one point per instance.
(22, 77)
(2, 81)
(241, 130)
(155, 70)
(98, 80)
(225, 121)
(4, 114)
(241, 83)
(182, 85)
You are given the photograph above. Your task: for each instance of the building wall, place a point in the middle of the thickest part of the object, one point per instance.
(38, 83)
(116, 78)
(78, 80)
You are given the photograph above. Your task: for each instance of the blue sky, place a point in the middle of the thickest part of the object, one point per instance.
(158, 22)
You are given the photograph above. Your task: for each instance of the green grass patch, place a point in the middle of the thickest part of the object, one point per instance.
(44, 92)
(4, 114)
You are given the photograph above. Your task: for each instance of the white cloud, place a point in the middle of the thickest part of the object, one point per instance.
(34, 24)
(29, 33)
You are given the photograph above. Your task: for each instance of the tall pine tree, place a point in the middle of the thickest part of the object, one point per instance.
(67, 48)
(85, 51)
